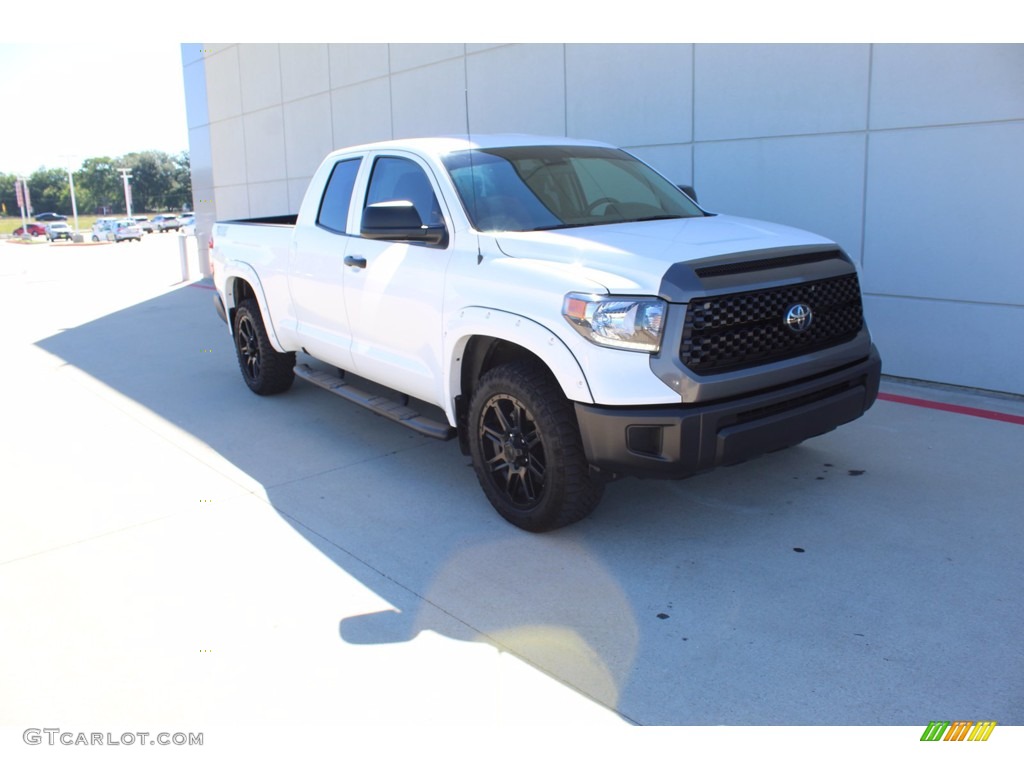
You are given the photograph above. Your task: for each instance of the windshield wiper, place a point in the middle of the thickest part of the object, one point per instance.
(659, 217)
(600, 223)
(548, 227)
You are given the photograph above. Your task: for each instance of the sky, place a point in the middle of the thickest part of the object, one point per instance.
(89, 100)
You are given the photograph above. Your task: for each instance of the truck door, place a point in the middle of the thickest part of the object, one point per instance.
(394, 291)
(317, 271)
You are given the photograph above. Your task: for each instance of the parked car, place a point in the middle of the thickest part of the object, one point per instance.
(50, 216)
(188, 224)
(34, 230)
(102, 229)
(126, 229)
(58, 230)
(144, 223)
(164, 222)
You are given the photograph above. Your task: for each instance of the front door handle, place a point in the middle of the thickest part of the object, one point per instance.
(355, 261)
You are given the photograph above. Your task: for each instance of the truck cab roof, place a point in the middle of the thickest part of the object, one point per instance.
(442, 145)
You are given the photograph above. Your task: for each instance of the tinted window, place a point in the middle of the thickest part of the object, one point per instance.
(396, 178)
(334, 206)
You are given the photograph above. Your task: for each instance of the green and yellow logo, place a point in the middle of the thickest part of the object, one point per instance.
(958, 730)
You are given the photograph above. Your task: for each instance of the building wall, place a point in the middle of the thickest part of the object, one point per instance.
(910, 156)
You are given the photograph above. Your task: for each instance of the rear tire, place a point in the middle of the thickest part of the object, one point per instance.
(265, 370)
(526, 449)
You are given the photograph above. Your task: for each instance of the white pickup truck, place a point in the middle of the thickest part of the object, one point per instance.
(566, 312)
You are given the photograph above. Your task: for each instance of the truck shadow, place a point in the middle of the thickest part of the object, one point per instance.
(730, 598)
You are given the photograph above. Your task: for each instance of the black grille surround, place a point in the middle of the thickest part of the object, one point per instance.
(740, 330)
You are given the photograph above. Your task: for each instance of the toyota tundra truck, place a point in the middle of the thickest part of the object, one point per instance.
(566, 313)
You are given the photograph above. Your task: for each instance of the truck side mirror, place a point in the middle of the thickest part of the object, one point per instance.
(689, 191)
(399, 220)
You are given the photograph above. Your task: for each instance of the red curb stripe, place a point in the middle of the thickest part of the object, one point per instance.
(200, 285)
(964, 410)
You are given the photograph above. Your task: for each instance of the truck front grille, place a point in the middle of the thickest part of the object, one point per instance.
(740, 330)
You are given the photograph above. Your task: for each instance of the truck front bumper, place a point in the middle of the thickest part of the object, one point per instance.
(680, 440)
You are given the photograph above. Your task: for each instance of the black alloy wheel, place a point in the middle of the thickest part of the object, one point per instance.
(526, 449)
(265, 370)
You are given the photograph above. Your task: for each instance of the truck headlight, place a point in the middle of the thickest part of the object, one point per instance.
(623, 322)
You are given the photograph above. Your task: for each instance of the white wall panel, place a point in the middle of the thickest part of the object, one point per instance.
(518, 89)
(296, 192)
(811, 182)
(197, 111)
(647, 102)
(412, 55)
(232, 202)
(477, 47)
(944, 213)
(200, 158)
(940, 84)
(260, 74)
(308, 133)
(357, 62)
(967, 344)
(776, 90)
(227, 145)
(429, 100)
(223, 85)
(268, 198)
(264, 145)
(193, 52)
(673, 161)
(361, 113)
(305, 70)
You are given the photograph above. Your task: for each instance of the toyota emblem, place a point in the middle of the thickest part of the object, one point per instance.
(798, 318)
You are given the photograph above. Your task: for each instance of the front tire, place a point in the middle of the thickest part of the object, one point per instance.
(526, 449)
(265, 370)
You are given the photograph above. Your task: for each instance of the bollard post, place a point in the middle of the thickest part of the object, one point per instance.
(183, 254)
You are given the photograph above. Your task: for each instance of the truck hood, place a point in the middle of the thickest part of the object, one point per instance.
(633, 257)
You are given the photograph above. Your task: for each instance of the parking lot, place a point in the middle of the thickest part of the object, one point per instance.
(176, 549)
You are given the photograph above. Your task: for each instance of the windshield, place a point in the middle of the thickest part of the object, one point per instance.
(522, 189)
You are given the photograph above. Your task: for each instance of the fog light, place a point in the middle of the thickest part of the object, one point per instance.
(645, 440)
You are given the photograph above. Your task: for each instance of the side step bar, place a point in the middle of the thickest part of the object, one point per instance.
(382, 406)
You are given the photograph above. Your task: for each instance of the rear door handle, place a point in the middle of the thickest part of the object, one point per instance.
(355, 261)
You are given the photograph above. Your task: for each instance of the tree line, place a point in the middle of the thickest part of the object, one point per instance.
(159, 182)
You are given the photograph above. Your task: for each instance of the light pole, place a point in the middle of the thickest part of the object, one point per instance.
(126, 173)
(71, 183)
(21, 189)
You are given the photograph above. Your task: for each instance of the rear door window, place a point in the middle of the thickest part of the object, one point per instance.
(337, 197)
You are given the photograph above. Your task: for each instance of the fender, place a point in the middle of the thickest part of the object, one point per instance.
(238, 270)
(483, 321)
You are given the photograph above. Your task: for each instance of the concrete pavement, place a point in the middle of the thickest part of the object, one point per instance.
(176, 549)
